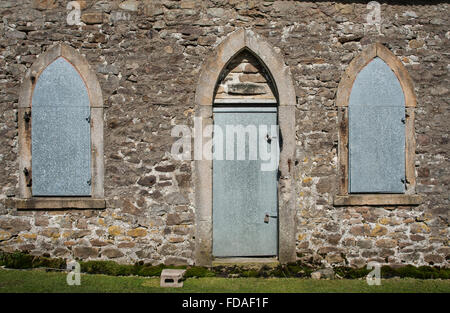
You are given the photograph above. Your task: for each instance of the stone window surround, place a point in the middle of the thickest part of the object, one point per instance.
(343, 198)
(204, 98)
(25, 199)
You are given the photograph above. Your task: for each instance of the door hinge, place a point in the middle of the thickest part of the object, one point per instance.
(89, 182)
(88, 119)
(27, 116)
(27, 174)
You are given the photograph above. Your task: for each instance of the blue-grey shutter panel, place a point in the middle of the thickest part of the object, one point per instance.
(376, 131)
(61, 144)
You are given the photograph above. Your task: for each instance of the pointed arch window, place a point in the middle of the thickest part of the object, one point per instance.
(60, 134)
(376, 131)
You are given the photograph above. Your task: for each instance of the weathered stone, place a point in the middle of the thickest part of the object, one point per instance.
(112, 253)
(14, 225)
(98, 243)
(129, 5)
(365, 244)
(82, 223)
(187, 4)
(108, 69)
(94, 18)
(252, 78)
(80, 234)
(27, 248)
(4, 235)
(144, 254)
(246, 89)
(360, 230)
(206, 40)
(137, 232)
(378, 230)
(176, 198)
(45, 4)
(183, 180)
(216, 12)
(85, 252)
(176, 239)
(386, 243)
(415, 44)
(152, 8)
(126, 245)
(165, 168)
(434, 259)
(250, 69)
(130, 208)
(26, 236)
(114, 230)
(316, 275)
(417, 228)
(147, 181)
(14, 34)
(8, 4)
(328, 249)
(334, 258)
(334, 238)
(324, 273)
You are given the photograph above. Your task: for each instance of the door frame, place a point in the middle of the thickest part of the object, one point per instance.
(203, 173)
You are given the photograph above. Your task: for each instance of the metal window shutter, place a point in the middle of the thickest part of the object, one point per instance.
(61, 145)
(376, 131)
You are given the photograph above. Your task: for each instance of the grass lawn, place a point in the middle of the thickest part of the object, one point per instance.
(41, 281)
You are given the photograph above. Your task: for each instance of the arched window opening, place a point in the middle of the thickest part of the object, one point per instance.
(60, 120)
(376, 131)
(376, 109)
(60, 135)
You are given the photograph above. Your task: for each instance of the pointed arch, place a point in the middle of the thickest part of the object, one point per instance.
(364, 58)
(344, 91)
(210, 72)
(80, 64)
(228, 49)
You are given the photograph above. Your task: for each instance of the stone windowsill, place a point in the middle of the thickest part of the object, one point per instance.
(377, 199)
(56, 203)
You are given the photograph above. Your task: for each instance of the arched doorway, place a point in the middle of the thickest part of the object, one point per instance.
(245, 160)
(281, 100)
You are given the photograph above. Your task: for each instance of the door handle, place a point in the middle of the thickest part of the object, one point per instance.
(267, 217)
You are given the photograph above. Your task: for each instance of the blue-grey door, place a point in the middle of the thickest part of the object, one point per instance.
(60, 133)
(245, 208)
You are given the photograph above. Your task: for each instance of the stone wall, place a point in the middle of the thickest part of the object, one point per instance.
(148, 54)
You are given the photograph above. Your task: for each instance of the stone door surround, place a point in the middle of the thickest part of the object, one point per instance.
(204, 98)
